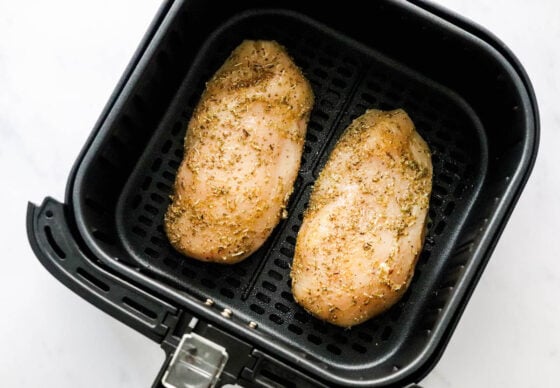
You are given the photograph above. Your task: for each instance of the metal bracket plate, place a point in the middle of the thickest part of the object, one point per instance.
(197, 363)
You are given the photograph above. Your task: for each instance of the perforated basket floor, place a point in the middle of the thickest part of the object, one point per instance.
(347, 79)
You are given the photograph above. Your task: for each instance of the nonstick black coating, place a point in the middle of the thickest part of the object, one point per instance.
(347, 79)
(123, 185)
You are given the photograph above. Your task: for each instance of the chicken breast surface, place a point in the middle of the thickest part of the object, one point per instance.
(364, 227)
(242, 154)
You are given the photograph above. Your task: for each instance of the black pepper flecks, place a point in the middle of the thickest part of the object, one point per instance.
(364, 227)
(242, 153)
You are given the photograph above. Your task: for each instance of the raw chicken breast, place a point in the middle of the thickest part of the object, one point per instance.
(364, 228)
(242, 154)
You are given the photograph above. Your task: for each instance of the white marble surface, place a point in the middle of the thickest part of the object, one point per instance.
(59, 61)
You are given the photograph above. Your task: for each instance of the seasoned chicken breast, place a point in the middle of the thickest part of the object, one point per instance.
(364, 228)
(242, 154)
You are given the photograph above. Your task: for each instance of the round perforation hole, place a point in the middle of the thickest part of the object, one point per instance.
(432, 213)
(155, 167)
(281, 263)
(291, 240)
(327, 105)
(263, 298)
(424, 257)
(157, 198)
(334, 349)
(165, 189)
(314, 126)
(301, 317)
(282, 308)
(295, 329)
(148, 180)
(276, 319)
(269, 286)
(158, 242)
(256, 308)
(386, 334)
(359, 348)
(274, 275)
(314, 339)
(166, 146)
(173, 164)
(449, 208)
(287, 252)
(145, 220)
(150, 209)
(322, 116)
(287, 296)
(365, 336)
(439, 228)
(436, 201)
(178, 153)
(168, 176)
(151, 252)
(312, 138)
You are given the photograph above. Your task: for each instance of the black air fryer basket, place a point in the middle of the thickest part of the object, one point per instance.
(469, 98)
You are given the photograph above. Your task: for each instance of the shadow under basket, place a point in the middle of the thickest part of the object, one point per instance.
(469, 98)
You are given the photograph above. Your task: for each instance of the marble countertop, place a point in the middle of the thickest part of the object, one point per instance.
(59, 62)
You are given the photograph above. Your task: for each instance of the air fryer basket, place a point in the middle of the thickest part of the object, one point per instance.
(471, 102)
(346, 78)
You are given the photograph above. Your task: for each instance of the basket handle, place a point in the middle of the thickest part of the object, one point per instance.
(62, 255)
